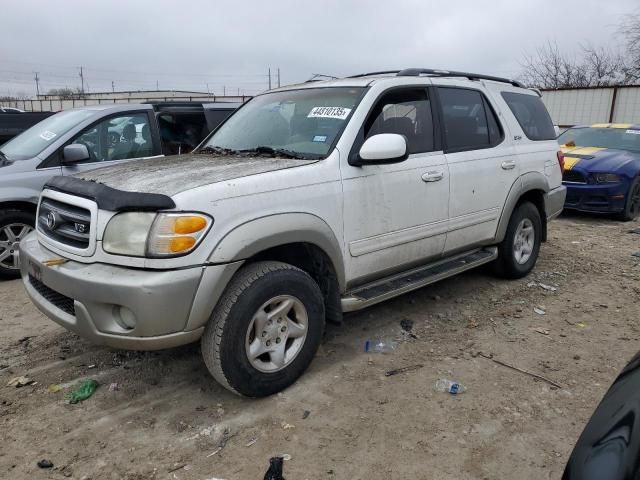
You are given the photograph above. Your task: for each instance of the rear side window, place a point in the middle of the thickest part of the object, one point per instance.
(531, 114)
(406, 112)
(469, 121)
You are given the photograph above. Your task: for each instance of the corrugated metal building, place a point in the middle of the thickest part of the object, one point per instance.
(579, 106)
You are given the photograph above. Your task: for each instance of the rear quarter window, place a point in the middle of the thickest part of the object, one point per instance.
(531, 114)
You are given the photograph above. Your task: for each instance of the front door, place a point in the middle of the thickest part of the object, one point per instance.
(396, 214)
(115, 139)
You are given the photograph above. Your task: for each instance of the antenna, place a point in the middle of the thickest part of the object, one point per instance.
(81, 81)
(37, 79)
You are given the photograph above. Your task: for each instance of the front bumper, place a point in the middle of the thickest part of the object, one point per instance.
(170, 307)
(598, 198)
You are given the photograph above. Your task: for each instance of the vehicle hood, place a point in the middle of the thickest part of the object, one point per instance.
(596, 159)
(175, 174)
(8, 166)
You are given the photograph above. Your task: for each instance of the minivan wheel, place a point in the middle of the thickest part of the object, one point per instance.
(14, 225)
(265, 329)
(518, 252)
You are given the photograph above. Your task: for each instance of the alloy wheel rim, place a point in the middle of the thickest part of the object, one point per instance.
(523, 241)
(10, 236)
(276, 333)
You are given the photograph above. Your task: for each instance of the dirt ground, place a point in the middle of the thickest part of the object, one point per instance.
(345, 419)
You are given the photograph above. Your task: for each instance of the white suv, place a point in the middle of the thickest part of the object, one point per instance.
(309, 201)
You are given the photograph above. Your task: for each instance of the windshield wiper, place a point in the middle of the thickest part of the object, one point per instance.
(218, 150)
(275, 152)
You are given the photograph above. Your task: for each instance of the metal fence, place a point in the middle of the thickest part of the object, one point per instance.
(55, 105)
(584, 106)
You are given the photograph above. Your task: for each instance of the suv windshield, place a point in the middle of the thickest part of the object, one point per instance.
(618, 138)
(34, 140)
(297, 123)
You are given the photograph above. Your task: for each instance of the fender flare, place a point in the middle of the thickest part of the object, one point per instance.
(260, 234)
(21, 195)
(525, 183)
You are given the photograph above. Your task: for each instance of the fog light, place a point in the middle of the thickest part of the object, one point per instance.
(126, 318)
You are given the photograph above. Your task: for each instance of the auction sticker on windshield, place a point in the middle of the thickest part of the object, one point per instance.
(47, 135)
(339, 113)
(635, 132)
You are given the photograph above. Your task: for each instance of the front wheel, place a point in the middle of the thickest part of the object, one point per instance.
(632, 204)
(518, 252)
(14, 225)
(265, 329)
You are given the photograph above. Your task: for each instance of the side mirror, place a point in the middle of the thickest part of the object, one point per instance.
(383, 148)
(74, 153)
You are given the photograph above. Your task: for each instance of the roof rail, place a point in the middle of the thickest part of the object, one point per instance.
(416, 72)
(383, 72)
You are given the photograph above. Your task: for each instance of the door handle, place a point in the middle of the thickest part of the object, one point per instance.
(432, 176)
(508, 165)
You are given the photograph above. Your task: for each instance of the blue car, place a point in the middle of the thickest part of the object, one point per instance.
(602, 169)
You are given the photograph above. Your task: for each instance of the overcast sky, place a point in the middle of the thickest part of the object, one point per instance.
(188, 44)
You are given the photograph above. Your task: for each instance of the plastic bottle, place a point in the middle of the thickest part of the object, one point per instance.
(379, 345)
(449, 386)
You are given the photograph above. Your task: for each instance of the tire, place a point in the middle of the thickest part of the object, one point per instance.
(241, 322)
(14, 225)
(512, 261)
(632, 204)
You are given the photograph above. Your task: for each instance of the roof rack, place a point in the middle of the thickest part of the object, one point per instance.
(416, 72)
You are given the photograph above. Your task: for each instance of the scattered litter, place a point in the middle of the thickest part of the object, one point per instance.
(448, 386)
(178, 467)
(215, 452)
(113, 387)
(251, 442)
(287, 426)
(226, 436)
(380, 345)
(635, 230)
(275, 469)
(547, 287)
(636, 254)
(86, 389)
(403, 370)
(581, 324)
(285, 456)
(19, 382)
(603, 305)
(406, 324)
(543, 331)
(93, 365)
(539, 311)
(45, 464)
(214, 478)
(504, 364)
(53, 388)
(306, 414)
(575, 242)
(472, 323)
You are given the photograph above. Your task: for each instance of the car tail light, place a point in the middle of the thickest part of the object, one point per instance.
(560, 156)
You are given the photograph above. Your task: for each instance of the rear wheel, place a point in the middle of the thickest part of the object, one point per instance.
(518, 252)
(14, 225)
(265, 329)
(632, 205)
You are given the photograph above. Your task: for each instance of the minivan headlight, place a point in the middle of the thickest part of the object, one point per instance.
(143, 234)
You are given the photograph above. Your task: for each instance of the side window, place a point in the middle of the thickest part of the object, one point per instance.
(531, 114)
(469, 121)
(118, 138)
(406, 112)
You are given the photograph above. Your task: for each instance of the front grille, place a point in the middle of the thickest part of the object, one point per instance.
(573, 176)
(64, 223)
(61, 301)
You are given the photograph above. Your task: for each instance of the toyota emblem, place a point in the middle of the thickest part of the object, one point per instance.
(51, 220)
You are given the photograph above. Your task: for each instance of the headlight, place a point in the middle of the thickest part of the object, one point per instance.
(140, 234)
(606, 177)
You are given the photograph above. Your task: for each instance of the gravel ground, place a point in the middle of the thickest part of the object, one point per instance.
(167, 418)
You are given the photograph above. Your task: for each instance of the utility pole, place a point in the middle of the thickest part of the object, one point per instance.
(113, 86)
(37, 79)
(208, 92)
(224, 90)
(269, 78)
(278, 77)
(238, 91)
(157, 87)
(81, 81)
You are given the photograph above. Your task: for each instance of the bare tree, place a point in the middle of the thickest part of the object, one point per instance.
(549, 67)
(65, 93)
(630, 30)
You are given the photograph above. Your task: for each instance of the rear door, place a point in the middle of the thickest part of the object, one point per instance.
(482, 165)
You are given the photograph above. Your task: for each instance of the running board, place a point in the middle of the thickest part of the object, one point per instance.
(404, 282)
